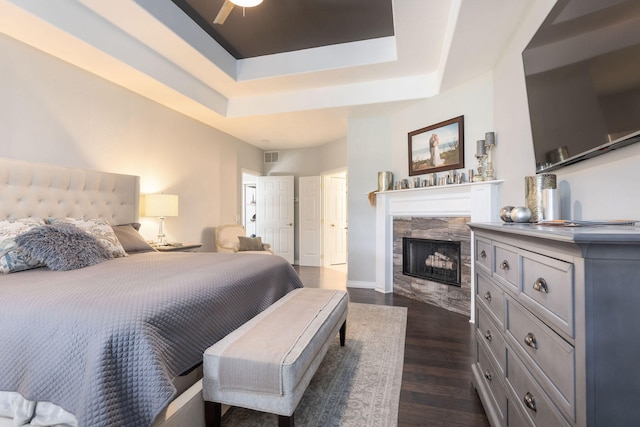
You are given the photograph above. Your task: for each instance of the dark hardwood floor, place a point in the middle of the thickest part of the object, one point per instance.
(436, 379)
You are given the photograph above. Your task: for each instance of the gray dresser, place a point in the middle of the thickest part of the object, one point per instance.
(557, 331)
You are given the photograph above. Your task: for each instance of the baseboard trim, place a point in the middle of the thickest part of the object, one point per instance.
(360, 285)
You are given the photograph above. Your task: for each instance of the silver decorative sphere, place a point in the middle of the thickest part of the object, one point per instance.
(505, 213)
(521, 214)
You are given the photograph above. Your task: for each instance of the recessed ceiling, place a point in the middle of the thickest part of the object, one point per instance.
(295, 97)
(277, 26)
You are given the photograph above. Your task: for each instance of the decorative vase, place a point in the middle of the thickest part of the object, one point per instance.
(505, 213)
(533, 190)
(520, 214)
(385, 181)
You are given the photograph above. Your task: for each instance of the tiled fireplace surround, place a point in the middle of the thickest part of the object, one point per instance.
(439, 213)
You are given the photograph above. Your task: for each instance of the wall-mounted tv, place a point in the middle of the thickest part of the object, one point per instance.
(582, 72)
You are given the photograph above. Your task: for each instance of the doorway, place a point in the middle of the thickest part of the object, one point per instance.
(248, 220)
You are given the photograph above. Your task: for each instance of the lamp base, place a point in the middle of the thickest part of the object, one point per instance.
(162, 238)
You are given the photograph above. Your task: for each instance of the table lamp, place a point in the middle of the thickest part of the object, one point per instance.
(162, 206)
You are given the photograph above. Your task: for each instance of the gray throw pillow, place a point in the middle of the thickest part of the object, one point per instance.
(62, 246)
(250, 244)
(130, 239)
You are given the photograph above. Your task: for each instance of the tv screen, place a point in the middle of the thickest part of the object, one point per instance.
(582, 72)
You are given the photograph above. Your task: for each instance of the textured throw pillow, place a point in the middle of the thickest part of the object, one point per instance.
(62, 247)
(98, 228)
(12, 259)
(250, 244)
(130, 239)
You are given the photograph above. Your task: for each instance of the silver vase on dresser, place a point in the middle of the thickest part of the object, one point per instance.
(534, 187)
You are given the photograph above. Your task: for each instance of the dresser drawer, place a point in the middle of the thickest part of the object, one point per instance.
(552, 355)
(530, 398)
(491, 296)
(506, 266)
(514, 417)
(547, 287)
(492, 378)
(489, 333)
(483, 254)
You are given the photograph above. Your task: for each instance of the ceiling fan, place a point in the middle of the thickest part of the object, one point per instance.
(228, 5)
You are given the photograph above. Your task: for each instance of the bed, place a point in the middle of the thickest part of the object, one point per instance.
(108, 344)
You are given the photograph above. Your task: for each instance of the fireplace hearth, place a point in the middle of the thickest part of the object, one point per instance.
(448, 254)
(429, 259)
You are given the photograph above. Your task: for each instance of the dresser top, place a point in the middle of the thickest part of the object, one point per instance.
(605, 234)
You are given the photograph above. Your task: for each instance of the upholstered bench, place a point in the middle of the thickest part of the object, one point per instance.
(268, 362)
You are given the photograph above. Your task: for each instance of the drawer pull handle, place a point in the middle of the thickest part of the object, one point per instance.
(530, 402)
(488, 336)
(483, 254)
(487, 375)
(530, 340)
(504, 265)
(487, 296)
(540, 285)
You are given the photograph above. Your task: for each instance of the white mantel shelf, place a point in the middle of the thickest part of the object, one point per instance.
(478, 200)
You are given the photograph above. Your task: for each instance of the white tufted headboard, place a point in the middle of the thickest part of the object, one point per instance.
(34, 189)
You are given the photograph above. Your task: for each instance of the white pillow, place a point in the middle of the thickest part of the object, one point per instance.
(13, 259)
(98, 228)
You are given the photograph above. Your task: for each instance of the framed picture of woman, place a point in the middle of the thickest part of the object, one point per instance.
(437, 148)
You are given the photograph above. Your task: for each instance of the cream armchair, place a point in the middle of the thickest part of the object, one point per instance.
(228, 240)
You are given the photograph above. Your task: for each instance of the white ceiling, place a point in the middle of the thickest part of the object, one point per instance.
(291, 100)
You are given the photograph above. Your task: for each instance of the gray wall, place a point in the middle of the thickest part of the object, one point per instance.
(380, 143)
(369, 152)
(55, 113)
(598, 188)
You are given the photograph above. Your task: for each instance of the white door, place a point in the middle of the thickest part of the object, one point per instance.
(309, 221)
(274, 214)
(336, 219)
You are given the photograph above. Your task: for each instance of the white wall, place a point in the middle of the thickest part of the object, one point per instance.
(312, 161)
(380, 143)
(333, 155)
(55, 113)
(599, 188)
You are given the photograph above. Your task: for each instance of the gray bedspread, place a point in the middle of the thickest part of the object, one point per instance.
(106, 341)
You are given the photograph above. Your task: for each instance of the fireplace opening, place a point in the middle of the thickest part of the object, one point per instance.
(435, 260)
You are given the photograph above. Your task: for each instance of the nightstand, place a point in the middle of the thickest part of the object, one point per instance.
(185, 247)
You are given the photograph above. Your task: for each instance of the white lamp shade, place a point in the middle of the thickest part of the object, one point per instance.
(161, 205)
(246, 3)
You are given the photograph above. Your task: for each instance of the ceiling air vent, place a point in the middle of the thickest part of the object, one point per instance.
(270, 157)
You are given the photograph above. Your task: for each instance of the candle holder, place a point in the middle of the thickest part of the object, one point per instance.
(490, 144)
(480, 175)
(490, 172)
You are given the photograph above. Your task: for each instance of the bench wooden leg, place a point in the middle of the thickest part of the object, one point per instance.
(212, 414)
(343, 333)
(284, 421)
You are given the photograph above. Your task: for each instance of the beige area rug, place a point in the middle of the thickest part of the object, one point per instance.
(356, 385)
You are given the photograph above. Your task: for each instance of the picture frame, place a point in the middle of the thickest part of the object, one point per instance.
(437, 148)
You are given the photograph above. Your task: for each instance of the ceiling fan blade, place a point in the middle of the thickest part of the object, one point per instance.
(224, 12)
